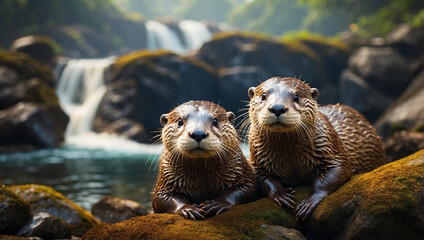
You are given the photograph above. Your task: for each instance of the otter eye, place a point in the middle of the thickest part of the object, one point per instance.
(296, 98)
(215, 122)
(180, 122)
(263, 97)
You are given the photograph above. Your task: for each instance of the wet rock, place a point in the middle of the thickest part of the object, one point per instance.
(128, 129)
(407, 40)
(402, 144)
(357, 93)
(406, 113)
(38, 47)
(381, 68)
(45, 199)
(162, 78)
(39, 125)
(113, 210)
(273, 232)
(385, 203)
(13, 211)
(45, 226)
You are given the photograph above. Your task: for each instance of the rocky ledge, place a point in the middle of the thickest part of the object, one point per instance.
(386, 203)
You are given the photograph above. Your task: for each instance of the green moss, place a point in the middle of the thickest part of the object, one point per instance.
(296, 47)
(27, 66)
(316, 38)
(200, 64)
(224, 35)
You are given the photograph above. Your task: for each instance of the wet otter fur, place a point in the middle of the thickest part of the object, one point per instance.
(202, 170)
(293, 141)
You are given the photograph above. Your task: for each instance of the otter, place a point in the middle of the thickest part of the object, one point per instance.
(202, 170)
(294, 141)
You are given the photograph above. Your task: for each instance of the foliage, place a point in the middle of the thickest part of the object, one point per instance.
(215, 10)
(268, 16)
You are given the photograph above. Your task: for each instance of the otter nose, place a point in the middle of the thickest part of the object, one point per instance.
(278, 109)
(198, 135)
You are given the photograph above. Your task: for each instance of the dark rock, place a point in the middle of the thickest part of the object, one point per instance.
(402, 144)
(406, 113)
(39, 125)
(273, 232)
(133, 34)
(162, 78)
(45, 226)
(25, 67)
(408, 41)
(45, 199)
(381, 68)
(128, 129)
(113, 210)
(6, 237)
(357, 93)
(38, 47)
(13, 211)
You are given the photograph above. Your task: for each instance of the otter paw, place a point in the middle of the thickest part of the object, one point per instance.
(306, 207)
(191, 212)
(213, 207)
(284, 197)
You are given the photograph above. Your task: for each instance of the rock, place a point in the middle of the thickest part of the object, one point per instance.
(382, 204)
(113, 210)
(407, 40)
(38, 47)
(369, 206)
(381, 68)
(39, 125)
(162, 78)
(13, 211)
(273, 232)
(25, 67)
(333, 54)
(406, 113)
(45, 226)
(128, 129)
(402, 144)
(45, 199)
(132, 33)
(8, 237)
(357, 93)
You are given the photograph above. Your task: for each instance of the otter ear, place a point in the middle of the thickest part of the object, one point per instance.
(251, 92)
(163, 120)
(231, 117)
(314, 93)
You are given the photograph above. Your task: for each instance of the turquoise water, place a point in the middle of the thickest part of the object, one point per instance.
(85, 175)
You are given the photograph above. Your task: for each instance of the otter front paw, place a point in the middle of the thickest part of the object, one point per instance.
(284, 197)
(191, 212)
(214, 207)
(307, 206)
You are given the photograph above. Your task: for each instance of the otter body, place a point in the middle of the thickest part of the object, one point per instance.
(202, 170)
(293, 142)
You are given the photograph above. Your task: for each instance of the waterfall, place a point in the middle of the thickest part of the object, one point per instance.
(80, 90)
(158, 33)
(195, 33)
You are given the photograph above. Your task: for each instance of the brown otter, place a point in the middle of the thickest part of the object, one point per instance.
(202, 170)
(293, 141)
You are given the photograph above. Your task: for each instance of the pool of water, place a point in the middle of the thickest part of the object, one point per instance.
(85, 175)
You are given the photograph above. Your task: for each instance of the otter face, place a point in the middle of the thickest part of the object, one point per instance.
(282, 105)
(198, 129)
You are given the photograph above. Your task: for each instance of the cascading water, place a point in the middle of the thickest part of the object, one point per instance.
(195, 33)
(161, 34)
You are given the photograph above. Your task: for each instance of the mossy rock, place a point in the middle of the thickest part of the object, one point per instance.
(27, 66)
(386, 203)
(46, 199)
(13, 211)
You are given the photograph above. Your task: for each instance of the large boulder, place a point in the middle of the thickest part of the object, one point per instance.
(147, 84)
(382, 68)
(38, 125)
(46, 226)
(45, 199)
(113, 210)
(38, 47)
(13, 211)
(406, 113)
(402, 144)
(408, 41)
(386, 203)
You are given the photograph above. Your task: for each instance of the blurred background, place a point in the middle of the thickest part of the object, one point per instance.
(84, 82)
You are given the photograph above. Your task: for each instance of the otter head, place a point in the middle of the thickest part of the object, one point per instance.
(282, 105)
(199, 129)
